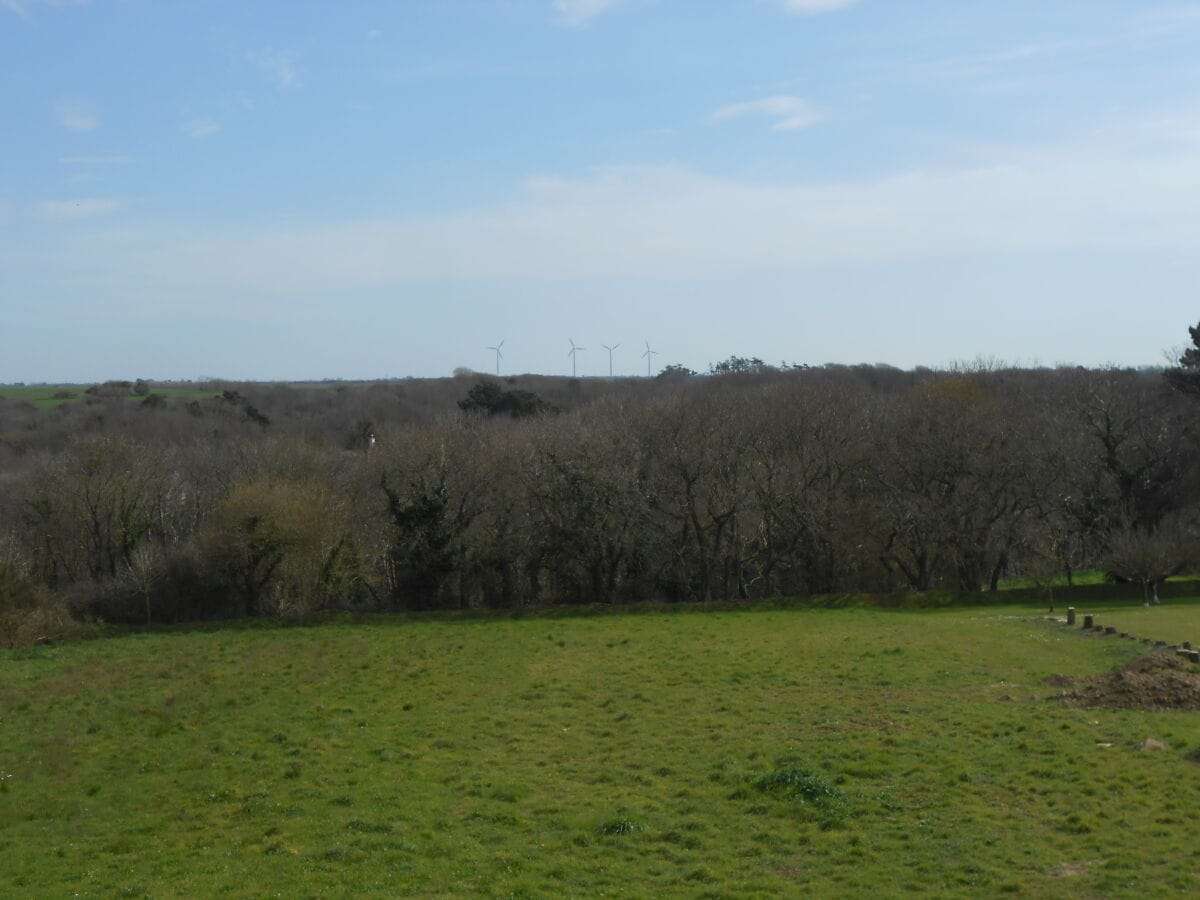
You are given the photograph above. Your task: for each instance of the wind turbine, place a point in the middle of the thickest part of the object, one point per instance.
(499, 355)
(610, 350)
(571, 353)
(649, 357)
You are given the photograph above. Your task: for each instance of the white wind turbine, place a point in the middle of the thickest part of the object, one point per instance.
(571, 353)
(610, 352)
(499, 355)
(649, 357)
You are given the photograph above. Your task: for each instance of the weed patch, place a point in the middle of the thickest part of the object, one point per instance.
(619, 827)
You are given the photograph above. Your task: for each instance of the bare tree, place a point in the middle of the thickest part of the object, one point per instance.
(1151, 555)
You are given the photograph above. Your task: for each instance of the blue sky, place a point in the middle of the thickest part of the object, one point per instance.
(364, 189)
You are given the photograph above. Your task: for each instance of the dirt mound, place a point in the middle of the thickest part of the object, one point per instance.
(1154, 681)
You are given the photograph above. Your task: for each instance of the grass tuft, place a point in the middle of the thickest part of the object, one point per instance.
(796, 783)
(619, 827)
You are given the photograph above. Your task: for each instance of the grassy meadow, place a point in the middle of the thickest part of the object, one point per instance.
(48, 396)
(1172, 621)
(816, 752)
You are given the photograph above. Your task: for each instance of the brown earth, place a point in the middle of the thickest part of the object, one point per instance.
(1159, 680)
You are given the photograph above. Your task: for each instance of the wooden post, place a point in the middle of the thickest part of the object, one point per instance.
(1087, 622)
(1070, 615)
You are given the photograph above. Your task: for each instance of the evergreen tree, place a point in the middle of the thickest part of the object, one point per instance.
(1185, 377)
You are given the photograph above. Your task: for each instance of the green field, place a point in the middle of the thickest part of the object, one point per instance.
(47, 396)
(819, 752)
(1172, 622)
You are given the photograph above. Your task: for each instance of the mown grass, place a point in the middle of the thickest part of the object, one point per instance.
(817, 752)
(1172, 621)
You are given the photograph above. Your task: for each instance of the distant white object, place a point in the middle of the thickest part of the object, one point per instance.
(499, 355)
(610, 352)
(649, 357)
(571, 353)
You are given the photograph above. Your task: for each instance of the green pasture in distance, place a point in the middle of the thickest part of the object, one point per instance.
(759, 753)
(1082, 578)
(48, 396)
(1172, 621)
(43, 395)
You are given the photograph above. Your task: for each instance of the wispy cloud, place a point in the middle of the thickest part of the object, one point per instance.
(674, 222)
(814, 7)
(95, 160)
(75, 115)
(22, 7)
(279, 66)
(580, 13)
(790, 113)
(81, 208)
(200, 127)
(1025, 57)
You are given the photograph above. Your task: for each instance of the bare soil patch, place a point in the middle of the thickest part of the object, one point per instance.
(1073, 870)
(1154, 681)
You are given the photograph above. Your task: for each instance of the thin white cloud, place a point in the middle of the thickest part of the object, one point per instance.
(671, 222)
(789, 113)
(982, 67)
(815, 7)
(75, 115)
(95, 160)
(200, 127)
(23, 7)
(279, 65)
(580, 13)
(82, 208)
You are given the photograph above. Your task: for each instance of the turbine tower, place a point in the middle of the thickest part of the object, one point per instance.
(499, 355)
(610, 350)
(571, 353)
(649, 357)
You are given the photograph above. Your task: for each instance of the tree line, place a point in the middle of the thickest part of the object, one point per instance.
(265, 500)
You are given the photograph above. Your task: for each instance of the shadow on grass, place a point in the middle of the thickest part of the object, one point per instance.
(1095, 596)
